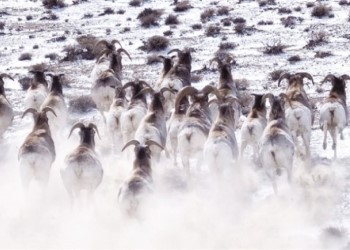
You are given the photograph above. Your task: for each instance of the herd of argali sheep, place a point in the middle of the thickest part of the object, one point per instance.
(170, 119)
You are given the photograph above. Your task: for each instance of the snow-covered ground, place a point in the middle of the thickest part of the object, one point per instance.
(238, 212)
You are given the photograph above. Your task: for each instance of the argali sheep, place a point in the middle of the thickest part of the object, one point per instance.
(6, 111)
(37, 152)
(276, 146)
(137, 108)
(83, 169)
(153, 124)
(174, 124)
(194, 129)
(55, 100)
(334, 112)
(105, 78)
(140, 183)
(254, 125)
(221, 149)
(38, 90)
(177, 77)
(116, 110)
(296, 83)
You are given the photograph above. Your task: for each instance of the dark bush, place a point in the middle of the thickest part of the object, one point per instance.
(182, 6)
(323, 54)
(25, 56)
(58, 39)
(149, 17)
(227, 45)
(297, 9)
(238, 20)
(35, 46)
(321, 10)
(197, 26)
(125, 30)
(274, 48)
(212, 30)
(152, 59)
(284, 10)
(294, 59)
(107, 11)
(120, 12)
(344, 2)
(81, 104)
(318, 38)
(207, 15)
(52, 56)
(49, 4)
(171, 19)
(167, 33)
(276, 74)
(50, 16)
(2, 25)
(265, 22)
(263, 3)
(29, 17)
(310, 4)
(240, 28)
(291, 21)
(135, 3)
(157, 43)
(88, 15)
(223, 11)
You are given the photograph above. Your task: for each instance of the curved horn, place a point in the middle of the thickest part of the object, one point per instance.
(188, 90)
(211, 89)
(268, 95)
(174, 50)
(128, 84)
(93, 126)
(77, 125)
(329, 77)
(306, 75)
(284, 76)
(132, 142)
(114, 41)
(164, 89)
(30, 110)
(146, 90)
(123, 50)
(5, 75)
(144, 84)
(104, 42)
(46, 109)
(151, 142)
(162, 57)
(345, 77)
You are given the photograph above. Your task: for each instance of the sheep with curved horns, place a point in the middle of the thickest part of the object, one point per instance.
(140, 183)
(6, 111)
(83, 169)
(37, 152)
(334, 112)
(55, 100)
(105, 78)
(137, 108)
(276, 146)
(116, 110)
(296, 83)
(253, 127)
(177, 77)
(221, 149)
(38, 90)
(195, 126)
(153, 124)
(226, 86)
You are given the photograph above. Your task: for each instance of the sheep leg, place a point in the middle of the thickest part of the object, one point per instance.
(341, 135)
(334, 134)
(325, 136)
(306, 139)
(173, 142)
(243, 146)
(186, 164)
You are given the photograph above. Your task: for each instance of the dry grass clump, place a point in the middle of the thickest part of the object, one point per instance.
(291, 21)
(294, 59)
(157, 43)
(238, 20)
(83, 50)
(274, 48)
(321, 10)
(182, 6)
(212, 30)
(197, 26)
(149, 17)
(51, 56)
(135, 3)
(49, 4)
(317, 39)
(223, 11)
(171, 20)
(227, 45)
(152, 59)
(107, 11)
(81, 104)
(262, 22)
(207, 15)
(263, 3)
(284, 10)
(323, 54)
(25, 56)
(2, 25)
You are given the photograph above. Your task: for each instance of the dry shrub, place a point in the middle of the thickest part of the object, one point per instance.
(120, 12)
(274, 48)
(291, 21)
(197, 26)
(297, 9)
(49, 4)
(227, 45)
(240, 28)
(323, 54)
(284, 10)
(310, 4)
(182, 6)
(88, 16)
(81, 104)
(149, 17)
(344, 2)
(207, 15)
(107, 11)
(238, 20)
(223, 11)
(83, 50)
(262, 22)
(135, 3)
(25, 56)
(171, 19)
(52, 56)
(167, 33)
(276, 74)
(49, 16)
(317, 38)
(2, 25)
(294, 59)
(263, 3)
(212, 30)
(321, 10)
(157, 43)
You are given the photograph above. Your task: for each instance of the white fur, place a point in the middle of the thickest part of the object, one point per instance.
(6, 116)
(35, 97)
